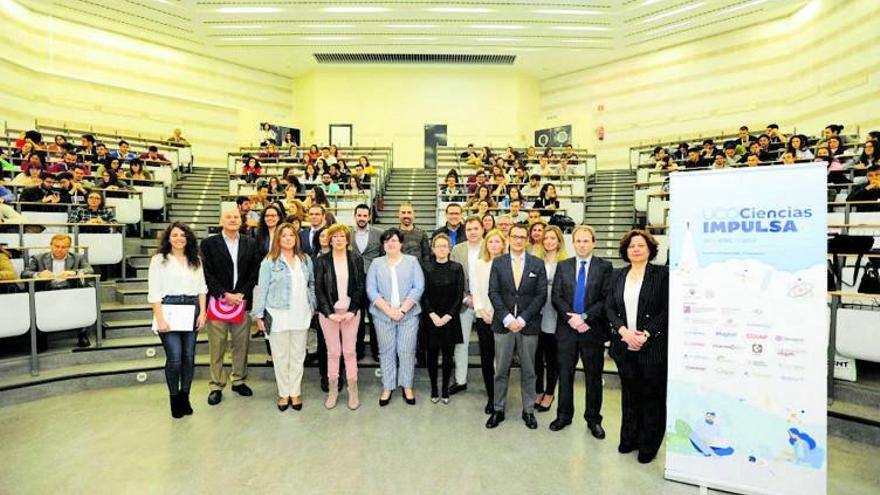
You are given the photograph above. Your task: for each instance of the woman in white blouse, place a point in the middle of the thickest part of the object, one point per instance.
(283, 313)
(552, 251)
(494, 245)
(176, 278)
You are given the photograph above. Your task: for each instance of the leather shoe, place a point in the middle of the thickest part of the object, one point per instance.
(596, 430)
(215, 397)
(529, 420)
(646, 457)
(489, 409)
(625, 448)
(243, 390)
(558, 424)
(384, 402)
(456, 388)
(494, 420)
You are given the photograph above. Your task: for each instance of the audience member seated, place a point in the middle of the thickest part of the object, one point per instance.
(153, 156)
(482, 193)
(45, 192)
(777, 139)
(681, 153)
(102, 158)
(533, 188)
(788, 158)
(123, 153)
(261, 198)
(707, 154)
(251, 170)
(369, 169)
(731, 157)
(797, 145)
(313, 154)
(94, 212)
(136, 171)
(6, 196)
(311, 175)
(79, 186)
(31, 159)
(86, 149)
(720, 161)
(451, 192)
(869, 191)
(250, 219)
(115, 166)
(363, 178)
(570, 156)
(275, 186)
(328, 157)
(58, 145)
(547, 200)
(30, 178)
(177, 138)
(870, 154)
(68, 163)
(330, 188)
(294, 152)
(745, 139)
(694, 159)
(531, 157)
(544, 168)
(269, 151)
(832, 130)
(59, 268)
(7, 271)
(475, 181)
(110, 180)
(516, 214)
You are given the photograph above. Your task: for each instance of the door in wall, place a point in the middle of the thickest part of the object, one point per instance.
(341, 135)
(435, 135)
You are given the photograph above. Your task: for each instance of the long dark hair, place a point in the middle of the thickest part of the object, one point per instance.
(263, 229)
(191, 250)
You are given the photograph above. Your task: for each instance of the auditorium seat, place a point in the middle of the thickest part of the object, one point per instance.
(16, 309)
(66, 309)
(857, 334)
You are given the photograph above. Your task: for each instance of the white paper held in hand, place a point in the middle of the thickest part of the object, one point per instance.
(180, 318)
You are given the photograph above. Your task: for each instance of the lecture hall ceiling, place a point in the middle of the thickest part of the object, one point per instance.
(547, 38)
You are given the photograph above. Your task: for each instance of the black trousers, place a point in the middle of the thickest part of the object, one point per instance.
(361, 345)
(433, 356)
(571, 349)
(546, 364)
(487, 356)
(643, 401)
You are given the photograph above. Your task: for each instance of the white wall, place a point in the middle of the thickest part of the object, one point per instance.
(391, 105)
(57, 70)
(820, 66)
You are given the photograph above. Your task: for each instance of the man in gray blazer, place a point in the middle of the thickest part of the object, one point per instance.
(58, 268)
(366, 243)
(518, 291)
(466, 254)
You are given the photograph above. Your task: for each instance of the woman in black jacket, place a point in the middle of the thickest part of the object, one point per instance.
(637, 312)
(339, 285)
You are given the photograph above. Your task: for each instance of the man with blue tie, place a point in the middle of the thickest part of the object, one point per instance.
(308, 236)
(578, 295)
(518, 291)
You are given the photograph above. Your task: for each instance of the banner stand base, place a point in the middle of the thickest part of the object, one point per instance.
(704, 485)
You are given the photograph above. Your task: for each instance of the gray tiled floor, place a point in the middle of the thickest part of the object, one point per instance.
(123, 441)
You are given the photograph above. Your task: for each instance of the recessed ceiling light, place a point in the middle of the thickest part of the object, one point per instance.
(460, 10)
(410, 26)
(649, 2)
(355, 10)
(245, 38)
(744, 6)
(496, 26)
(566, 12)
(674, 12)
(581, 28)
(327, 38)
(579, 40)
(413, 38)
(239, 26)
(499, 40)
(248, 10)
(328, 26)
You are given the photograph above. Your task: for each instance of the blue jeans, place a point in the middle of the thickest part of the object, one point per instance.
(180, 350)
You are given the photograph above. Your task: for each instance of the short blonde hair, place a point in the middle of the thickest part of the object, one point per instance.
(584, 228)
(484, 250)
(61, 237)
(337, 228)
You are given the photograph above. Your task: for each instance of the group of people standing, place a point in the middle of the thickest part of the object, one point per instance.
(528, 302)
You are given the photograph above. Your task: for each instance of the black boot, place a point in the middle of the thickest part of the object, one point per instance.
(176, 411)
(185, 406)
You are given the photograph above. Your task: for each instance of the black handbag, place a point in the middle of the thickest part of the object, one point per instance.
(564, 222)
(870, 283)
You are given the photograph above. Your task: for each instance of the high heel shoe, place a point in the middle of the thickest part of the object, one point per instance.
(296, 407)
(410, 401)
(384, 402)
(283, 407)
(543, 408)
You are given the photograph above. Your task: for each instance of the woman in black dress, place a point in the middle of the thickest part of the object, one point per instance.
(444, 285)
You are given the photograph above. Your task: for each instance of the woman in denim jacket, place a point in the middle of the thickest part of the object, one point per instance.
(284, 303)
(395, 284)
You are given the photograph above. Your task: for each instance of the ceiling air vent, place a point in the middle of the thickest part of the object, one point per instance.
(413, 58)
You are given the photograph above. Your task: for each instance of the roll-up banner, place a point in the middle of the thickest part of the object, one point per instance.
(748, 330)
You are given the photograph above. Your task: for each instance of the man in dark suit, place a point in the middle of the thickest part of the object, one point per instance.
(308, 236)
(59, 268)
(579, 290)
(518, 291)
(231, 264)
(365, 241)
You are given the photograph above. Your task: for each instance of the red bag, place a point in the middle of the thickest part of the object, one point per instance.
(218, 310)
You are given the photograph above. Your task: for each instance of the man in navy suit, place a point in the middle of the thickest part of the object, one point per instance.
(579, 291)
(308, 236)
(518, 291)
